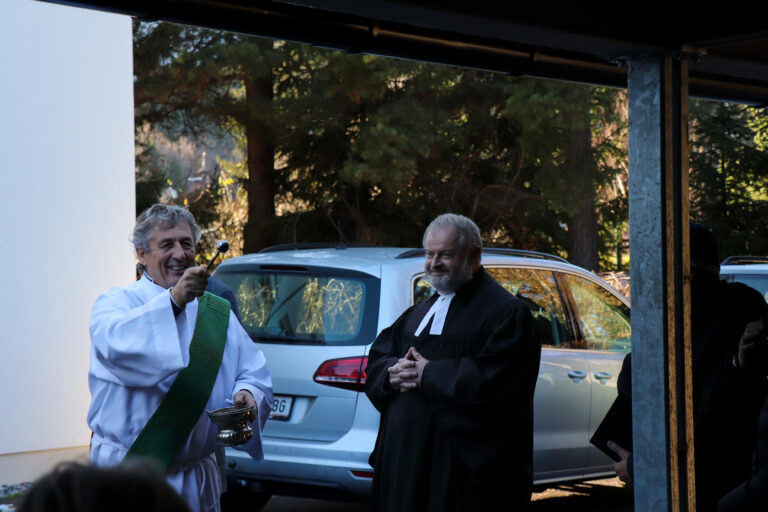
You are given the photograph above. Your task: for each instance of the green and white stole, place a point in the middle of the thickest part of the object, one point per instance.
(167, 430)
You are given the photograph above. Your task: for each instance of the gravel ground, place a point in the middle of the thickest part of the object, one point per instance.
(608, 494)
(604, 495)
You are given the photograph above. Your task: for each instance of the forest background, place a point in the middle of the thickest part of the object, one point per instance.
(271, 142)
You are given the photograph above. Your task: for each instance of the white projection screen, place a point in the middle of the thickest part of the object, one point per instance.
(66, 214)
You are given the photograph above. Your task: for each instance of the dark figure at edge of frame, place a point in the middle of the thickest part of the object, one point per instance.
(222, 290)
(726, 400)
(453, 379)
(752, 494)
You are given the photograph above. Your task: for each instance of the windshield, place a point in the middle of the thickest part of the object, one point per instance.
(306, 307)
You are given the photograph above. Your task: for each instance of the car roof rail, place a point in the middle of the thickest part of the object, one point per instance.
(339, 246)
(411, 253)
(744, 260)
(524, 253)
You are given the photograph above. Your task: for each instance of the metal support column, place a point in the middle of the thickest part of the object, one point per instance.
(660, 276)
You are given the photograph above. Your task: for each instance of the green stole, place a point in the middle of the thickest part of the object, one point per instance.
(168, 429)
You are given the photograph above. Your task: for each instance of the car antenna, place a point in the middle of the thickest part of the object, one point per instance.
(337, 225)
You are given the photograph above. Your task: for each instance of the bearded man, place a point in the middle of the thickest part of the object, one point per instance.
(453, 379)
(163, 352)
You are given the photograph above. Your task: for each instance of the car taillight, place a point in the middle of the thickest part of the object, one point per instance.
(347, 373)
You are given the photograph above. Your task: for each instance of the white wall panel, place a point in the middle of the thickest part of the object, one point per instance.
(67, 209)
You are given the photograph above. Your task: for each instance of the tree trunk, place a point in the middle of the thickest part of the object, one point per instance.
(582, 223)
(582, 237)
(259, 228)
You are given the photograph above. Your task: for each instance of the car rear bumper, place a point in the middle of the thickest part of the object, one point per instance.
(308, 468)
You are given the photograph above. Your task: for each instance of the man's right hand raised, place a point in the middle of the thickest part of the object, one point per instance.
(190, 285)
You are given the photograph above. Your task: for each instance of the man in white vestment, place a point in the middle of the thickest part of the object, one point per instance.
(140, 339)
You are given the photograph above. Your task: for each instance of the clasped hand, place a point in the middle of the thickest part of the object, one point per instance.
(406, 373)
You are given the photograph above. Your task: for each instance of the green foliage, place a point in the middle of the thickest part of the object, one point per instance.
(150, 178)
(729, 187)
(403, 141)
(327, 145)
(371, 149)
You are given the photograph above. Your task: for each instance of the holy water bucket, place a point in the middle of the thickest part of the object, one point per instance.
(233, 424)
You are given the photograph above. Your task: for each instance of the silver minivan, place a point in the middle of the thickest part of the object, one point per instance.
(315, 310)
(750, 270)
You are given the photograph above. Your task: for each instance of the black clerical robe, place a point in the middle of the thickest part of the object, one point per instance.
(462, 441)
(726, 400)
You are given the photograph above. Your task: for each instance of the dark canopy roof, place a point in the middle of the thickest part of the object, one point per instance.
(560, 39)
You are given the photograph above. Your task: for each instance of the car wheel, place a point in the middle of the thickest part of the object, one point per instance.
(239, 498)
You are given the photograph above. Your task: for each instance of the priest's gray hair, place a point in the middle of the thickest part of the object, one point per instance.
(469, 233)
(165, 215)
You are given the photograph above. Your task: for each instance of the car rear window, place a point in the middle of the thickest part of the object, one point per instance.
(757, 281)
(299, 305)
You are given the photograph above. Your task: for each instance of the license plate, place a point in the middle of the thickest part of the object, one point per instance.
(282, 408)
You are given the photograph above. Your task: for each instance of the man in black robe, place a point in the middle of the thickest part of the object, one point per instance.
(453, 379)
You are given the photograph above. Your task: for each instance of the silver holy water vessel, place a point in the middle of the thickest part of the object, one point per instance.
(233, 424)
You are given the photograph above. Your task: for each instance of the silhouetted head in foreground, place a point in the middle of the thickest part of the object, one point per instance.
(132, 487)
(705, 254)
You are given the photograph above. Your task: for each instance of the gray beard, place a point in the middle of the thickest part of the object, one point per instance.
(453, 280)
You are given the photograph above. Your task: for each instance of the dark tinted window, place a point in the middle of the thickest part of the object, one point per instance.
(603, 317)
(537, 289)
(301, 307)
(422, 290)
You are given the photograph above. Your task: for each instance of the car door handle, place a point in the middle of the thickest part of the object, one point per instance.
(577, 375)
(602, 376)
